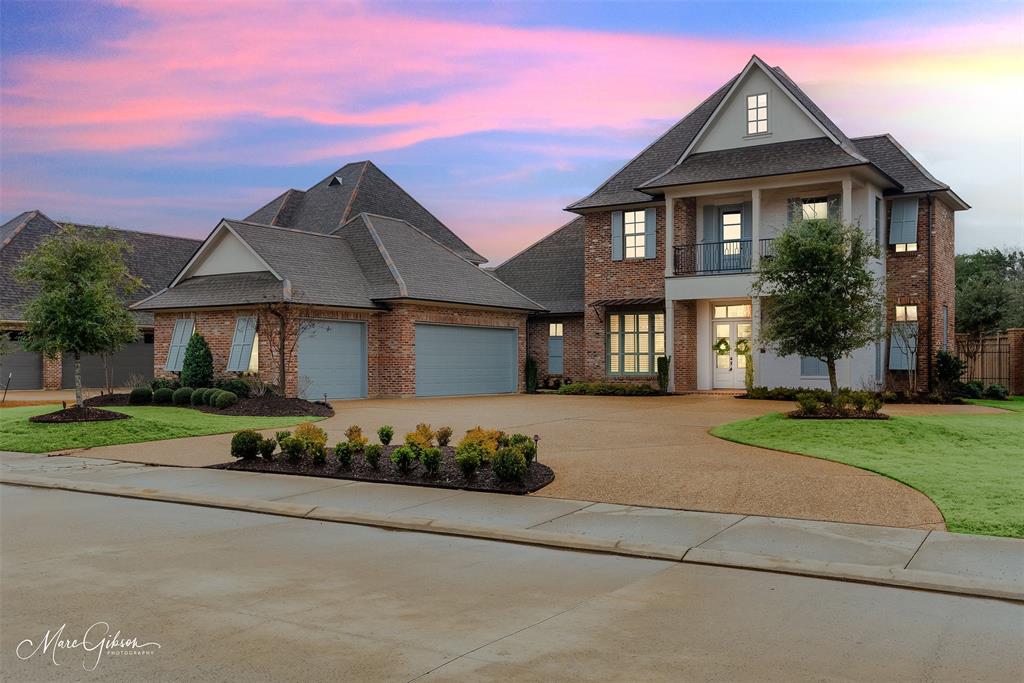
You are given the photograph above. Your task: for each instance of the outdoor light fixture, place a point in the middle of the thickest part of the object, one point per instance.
(536, 444)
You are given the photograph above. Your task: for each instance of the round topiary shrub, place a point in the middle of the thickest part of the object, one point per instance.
(509, 464)
(196, 399)
(140, 396)
(209, 396)
(163, 397)
(224, 399)
(246, 444)
(372, 454)
(182, 396)
(403, 459)
(431, 459)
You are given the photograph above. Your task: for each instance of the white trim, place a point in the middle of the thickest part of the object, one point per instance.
(207, 246)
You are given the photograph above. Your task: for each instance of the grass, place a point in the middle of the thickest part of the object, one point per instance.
(1016, 403)
(147, 424)
(971, 466)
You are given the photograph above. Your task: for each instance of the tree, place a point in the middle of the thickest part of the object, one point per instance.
(197, 366)
(819, 299)
(989, 291)
(82, 280)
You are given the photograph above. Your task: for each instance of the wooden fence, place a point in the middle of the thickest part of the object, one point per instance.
(987, 358)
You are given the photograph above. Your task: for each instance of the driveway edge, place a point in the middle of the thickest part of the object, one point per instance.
(901, 578)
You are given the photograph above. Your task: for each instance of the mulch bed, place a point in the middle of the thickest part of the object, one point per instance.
(449, 477)
(832, 414)
(107, 400)
(262, 406)
(76, 414)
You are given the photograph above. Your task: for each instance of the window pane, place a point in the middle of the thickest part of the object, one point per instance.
(762, 126)
(643, 343)
(630, 321)
(732, 232)
(739, 311)
(762, 100)
(911, 313)
(629, 343)
(743, 330)
(751, 128)
(630, 364)
(722, 362)
(614, 364)
(644, 364)
(751, 100)
(741, 361)
(614, 322)
(720, 311)
(751, 115)
(659, 322)
(643, 322)
(912, 246)
(614, 343)
(659, 343)
(722, 331)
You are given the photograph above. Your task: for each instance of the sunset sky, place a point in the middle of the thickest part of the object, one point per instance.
(166, 116)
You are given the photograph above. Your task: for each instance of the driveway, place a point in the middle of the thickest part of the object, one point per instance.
(634, 451)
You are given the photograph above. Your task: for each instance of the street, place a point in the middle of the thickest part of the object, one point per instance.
(230, 595)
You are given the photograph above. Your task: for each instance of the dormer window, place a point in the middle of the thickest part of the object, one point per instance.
(757, 114)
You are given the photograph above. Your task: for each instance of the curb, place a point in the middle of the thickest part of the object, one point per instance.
(885, 576)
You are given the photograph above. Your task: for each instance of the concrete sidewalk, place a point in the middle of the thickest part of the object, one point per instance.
(930, 560)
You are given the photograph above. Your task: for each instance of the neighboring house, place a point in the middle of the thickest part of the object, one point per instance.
(359, 289)
(672, 242)
(154, 259)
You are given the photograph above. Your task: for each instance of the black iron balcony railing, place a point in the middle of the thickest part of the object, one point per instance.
(718, 258)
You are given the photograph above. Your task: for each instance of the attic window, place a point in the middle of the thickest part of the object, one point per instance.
(336, 180)
(757, 114)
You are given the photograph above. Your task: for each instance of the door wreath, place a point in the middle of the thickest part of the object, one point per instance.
(743, 347)
(722, 347)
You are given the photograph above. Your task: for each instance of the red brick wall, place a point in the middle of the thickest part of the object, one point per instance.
(684, 345)
(1016, 336)
(572, 342)
(52, 372)
(607, 279)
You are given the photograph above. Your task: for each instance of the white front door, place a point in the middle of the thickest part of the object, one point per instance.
(729, 366)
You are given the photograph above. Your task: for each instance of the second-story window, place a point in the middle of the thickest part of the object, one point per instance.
(633, 232)
(906, 314)
(757, 114)
(815, 209)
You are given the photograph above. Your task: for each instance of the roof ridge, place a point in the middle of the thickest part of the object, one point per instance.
(29, 215)
(543, 239)
(284, 197)
(280, 227)
(355, 191)
(131, 230)
(388, 261)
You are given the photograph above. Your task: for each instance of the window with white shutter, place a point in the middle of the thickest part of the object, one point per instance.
(183, 329)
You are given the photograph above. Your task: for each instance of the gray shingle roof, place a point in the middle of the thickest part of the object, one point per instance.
(156, 259)
(551, 271)
(218, 290)
(363, 188)
(889, 156)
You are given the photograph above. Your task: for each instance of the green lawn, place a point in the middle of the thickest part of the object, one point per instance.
(971, 466)
(1015, 403)
(146, 424)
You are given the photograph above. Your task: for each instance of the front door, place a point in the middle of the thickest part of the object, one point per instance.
(730, 366)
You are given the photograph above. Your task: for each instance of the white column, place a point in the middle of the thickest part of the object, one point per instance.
(670, 252)
(755, 228)
(847, 200)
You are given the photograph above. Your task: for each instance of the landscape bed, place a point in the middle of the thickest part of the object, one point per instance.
(449, 476)
(259, 406)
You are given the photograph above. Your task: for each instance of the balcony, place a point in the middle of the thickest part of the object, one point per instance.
(719, 258)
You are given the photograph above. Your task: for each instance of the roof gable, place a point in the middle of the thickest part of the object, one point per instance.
(224, 253)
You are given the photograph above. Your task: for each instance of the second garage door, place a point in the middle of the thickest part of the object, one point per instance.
(452, 360)
(332, 359)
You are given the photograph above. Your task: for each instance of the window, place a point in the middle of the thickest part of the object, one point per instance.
(906, 314)
(757, 114)
(814, 209)
(903, 225)
(733, 311)
(635, 342)
(909, 246)
(183, 328)
(813, 367)
(244, 355)
(554, 329)
(556, 349)
(634, 229)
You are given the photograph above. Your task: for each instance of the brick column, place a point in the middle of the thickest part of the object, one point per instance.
(52, 372)
(1016, 337)
(684, 345)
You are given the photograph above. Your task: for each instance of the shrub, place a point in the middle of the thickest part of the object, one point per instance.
(182, 396)
(526, 444)
(859, 399)
(420, 439)
(267, 447)
(197, 367)
(997, 392)
(307, 431)
(292, 448)
(163, 397)
(842, 400)
(385, 434)
(317, 450)
(948, 371)
(235, 385)
(163, 383)
(246, 444)
(282, 435)
(209, 395)
(372, 454)
(224, 399)
(355, 437)
(343, 452)
(971, 389)
(531, 375)
(607, 389)
(873, 404)
(256, 387)
(808, 402)
(403, 458)
(140, 396)
(431, 459)
(196, 399)
(487, 439)
(663, 364)
(509, 464)
(443, 435)
(469, 455)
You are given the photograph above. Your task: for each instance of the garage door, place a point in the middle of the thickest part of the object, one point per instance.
(452, 361)
(25, 370)
(332, 359)
(134, 360)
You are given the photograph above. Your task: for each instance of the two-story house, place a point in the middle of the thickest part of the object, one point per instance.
(668, 248)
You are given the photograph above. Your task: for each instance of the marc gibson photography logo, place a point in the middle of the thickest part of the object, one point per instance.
(96, 643)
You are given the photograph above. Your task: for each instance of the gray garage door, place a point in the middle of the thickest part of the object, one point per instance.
(134, 360)
(332, 359)
(452, 361)
(26, 370)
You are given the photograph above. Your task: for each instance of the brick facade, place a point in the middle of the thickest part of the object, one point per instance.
(572, 346)
(907, 283)
(391, 343)
(607, 279)
(684, 345)
(53, 373)
(1016, 344)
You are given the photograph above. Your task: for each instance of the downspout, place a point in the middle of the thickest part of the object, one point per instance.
(931, 300)
(280, 348)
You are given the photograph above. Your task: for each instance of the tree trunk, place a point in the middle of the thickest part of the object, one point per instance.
(78, 379)
(833, 383)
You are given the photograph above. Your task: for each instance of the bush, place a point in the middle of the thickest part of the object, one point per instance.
(420, 439)
(246, 444)
(140, 396)
(526, 444)
(163, 383)
(488, 439)
(842, 400)
(431, 459)
(970, 390)
(607, 389)
(443, 435)
(354, 435)
(469, 455)
(509, 464)
(163, 397)
(267, 447)
(209, 395)
(385, 434)
(343, 452)
(224, 399)
(197, 367)
(948, 371)
(307, 431)
(873, 404)
(997, 392)
(531, 375)
(403, 458)
(318, 451)
(238, 387)
(663, 364)
(292, 448)
(196, 399)
(809, 403)
(372, 454)
(182, 396)
(282, 435)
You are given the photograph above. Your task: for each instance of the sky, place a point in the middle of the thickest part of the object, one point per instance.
(166, 116)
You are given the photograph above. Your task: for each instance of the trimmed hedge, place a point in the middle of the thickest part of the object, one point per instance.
(608, 389)
(224, 399)
(182, 396)
(140, 396)
(163, 397)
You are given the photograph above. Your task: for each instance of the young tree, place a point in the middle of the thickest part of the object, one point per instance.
(819, 298)
(82, 279)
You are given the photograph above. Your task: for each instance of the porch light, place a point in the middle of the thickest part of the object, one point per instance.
(536, 447)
